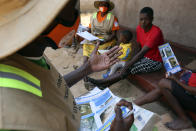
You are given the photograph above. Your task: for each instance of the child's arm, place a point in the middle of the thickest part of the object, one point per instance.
(135, 48)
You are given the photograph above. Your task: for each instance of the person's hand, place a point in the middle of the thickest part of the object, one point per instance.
(120, 124)
(77, 37)
(104, 61)
(184, 71)
(170, 76)
(101, 42)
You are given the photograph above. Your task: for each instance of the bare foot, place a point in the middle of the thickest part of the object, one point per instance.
(179, 124)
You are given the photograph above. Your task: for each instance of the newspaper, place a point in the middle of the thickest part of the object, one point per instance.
(82, 28)
(169, 59)
(88, 36)
(97, 112)
(102, 51)
(144, 120)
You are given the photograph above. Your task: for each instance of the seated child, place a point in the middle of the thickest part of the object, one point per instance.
(124, 39)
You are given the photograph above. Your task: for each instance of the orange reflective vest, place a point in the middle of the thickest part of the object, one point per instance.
(62, 35)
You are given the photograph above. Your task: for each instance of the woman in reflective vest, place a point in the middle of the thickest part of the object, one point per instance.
(104, 25)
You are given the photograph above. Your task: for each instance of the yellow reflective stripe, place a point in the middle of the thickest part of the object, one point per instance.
(16, 84)
(14, 70)
(109, 16)
(95, 15)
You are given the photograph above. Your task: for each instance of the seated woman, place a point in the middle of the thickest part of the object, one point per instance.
(104, 25)
(179, 92)
(148, 59)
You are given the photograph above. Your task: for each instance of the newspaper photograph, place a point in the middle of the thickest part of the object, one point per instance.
(169, 59)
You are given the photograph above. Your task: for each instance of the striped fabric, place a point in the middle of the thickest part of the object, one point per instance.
(145, 65)
(108, 16)
(12, 77)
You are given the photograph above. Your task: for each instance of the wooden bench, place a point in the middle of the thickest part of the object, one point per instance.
(149, 81)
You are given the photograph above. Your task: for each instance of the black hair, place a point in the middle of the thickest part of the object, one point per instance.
(127, 34)
(147, 10)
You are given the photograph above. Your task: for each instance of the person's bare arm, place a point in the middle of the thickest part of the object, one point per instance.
(95, 63)
(138, 56)
(190, 89)
(135, 48)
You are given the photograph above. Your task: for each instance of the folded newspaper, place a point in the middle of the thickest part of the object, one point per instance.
(97, 112)
(169, 59)
(88, 36)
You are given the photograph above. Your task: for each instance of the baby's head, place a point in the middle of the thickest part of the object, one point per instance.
(125, 36)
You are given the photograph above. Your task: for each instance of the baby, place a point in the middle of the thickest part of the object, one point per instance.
(124, 39)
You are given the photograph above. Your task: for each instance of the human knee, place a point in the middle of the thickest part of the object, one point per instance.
(163, 83)
(158, 90)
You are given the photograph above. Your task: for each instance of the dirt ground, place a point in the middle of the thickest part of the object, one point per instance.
(123, 89)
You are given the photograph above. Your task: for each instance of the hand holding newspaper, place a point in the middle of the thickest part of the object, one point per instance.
(97, 112)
